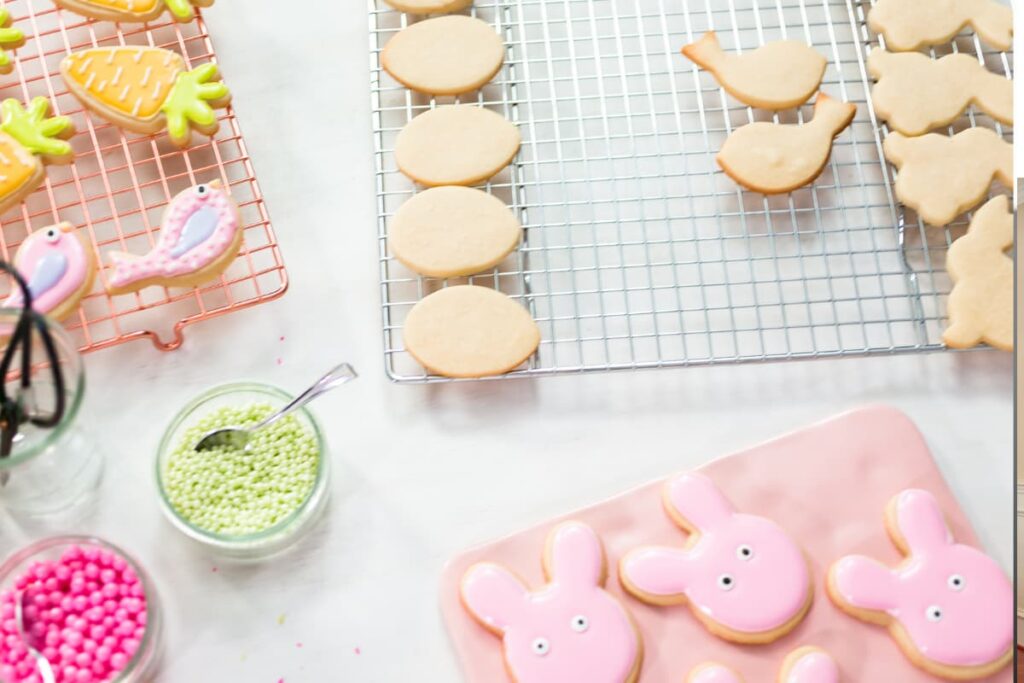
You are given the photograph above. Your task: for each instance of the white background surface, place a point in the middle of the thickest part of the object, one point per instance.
(422, 472)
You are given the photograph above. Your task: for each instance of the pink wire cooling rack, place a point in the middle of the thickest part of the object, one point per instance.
(119, 184)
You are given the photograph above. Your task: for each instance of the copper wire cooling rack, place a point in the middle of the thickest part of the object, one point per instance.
(639, 252)
(119, 184)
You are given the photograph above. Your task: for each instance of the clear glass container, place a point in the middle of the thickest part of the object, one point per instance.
(144, 663)
(286, 531)
(49, 469)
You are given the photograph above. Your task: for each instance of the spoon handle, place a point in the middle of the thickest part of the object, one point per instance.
(335, 378)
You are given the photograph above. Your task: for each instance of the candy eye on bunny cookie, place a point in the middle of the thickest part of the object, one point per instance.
(570, 629)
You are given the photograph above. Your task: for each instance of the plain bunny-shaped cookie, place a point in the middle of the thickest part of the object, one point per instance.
(949, 606)
(804, 665)
(741, 574)
(571, 629)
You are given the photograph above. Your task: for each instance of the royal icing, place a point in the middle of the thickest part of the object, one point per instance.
(953, 603)
(10, 37)
(199, 226)
(571, 629)
(134, 10)
(26, 134)
(810, 665)
(55, 265)
(713, 673)
(741, 571)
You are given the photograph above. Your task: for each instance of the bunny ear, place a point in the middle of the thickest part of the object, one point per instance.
(809, 665)
(696, 501)
(864, 583)
(494, 596)
(656, 572)
(919, 521)
(575, 555)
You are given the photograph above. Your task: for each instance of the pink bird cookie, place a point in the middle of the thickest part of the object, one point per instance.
(200, 236)
(742, 576)
(570, 629)
(804, 665)
(59, 268)
(949, 606)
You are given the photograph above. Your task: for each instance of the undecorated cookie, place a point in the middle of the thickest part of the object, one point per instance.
(916, 93)
(940, 177)
(948, 606)
(444, 56)
(981, 304)
(470, 331)
(911, 24)
(457, 144)
(453, 231)
(776, 158)
(777, 75)
(429, 6)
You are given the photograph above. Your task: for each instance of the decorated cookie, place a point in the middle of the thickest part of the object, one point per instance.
(444, 56)
(916, 93)
(135, 11)
(453, 231)
(741, 575)
(777, 75)
(200, 235)
(429, 6)
(470, 331)
(805, 665)
(775, 158)
(28, 141)
(10, 39)
(940, 177)
(948, 606)
(456, 145)
(911, 24)
(59, 268)
(147, 89)
(981, 304)
(571, 629)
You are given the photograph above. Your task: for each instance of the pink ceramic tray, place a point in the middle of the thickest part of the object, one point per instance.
(827, 485)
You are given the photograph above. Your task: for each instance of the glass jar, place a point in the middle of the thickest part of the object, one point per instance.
(49, 469)
(284, 532)
(144, 663)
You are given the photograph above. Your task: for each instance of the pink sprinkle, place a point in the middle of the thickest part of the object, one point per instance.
(213, 569)
(358, 651)
(298, 645)
(282, 337)
(280, 361)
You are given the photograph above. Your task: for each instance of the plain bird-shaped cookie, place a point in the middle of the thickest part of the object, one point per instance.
(916, 93)
(911, 24)
(778, 75)
(981, 303)
(940, 177)
(775, 158)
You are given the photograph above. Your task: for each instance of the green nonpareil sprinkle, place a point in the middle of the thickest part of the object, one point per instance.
(232, 492)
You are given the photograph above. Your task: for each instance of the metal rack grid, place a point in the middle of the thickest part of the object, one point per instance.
(119, 184)
(639, 252)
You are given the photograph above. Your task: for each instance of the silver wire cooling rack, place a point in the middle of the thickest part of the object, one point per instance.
(639, 252)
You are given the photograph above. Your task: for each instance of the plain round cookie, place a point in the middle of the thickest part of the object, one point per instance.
(429, 6)
(457, 144)
(453, 231)
(470, 331)
(444, 56)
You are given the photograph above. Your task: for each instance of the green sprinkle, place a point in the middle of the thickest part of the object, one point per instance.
(233, 492)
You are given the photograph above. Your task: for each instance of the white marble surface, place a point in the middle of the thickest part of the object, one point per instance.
(421, 472)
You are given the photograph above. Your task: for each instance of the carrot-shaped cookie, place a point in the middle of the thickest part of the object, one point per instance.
(28, 141)
(147, 89)
(134, 11)
(10, 38)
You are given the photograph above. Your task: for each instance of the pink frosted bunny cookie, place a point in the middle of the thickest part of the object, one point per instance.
(949, 606)
(805, 665)
(571, 629)
(742, 575)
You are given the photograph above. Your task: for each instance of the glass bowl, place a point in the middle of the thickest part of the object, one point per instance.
(143, 665)
(286, 531)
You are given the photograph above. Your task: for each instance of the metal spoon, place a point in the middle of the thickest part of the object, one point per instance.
(42, 664)
(238, 437)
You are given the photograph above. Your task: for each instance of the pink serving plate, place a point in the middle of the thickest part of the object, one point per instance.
(827, 485)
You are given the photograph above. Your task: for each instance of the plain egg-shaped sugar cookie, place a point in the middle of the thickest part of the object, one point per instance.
(469, 331)
(912, 24)
(444, 56)
(777, 75)
(453, 231)
(774, 158)
(429, 6)
(457, 144)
